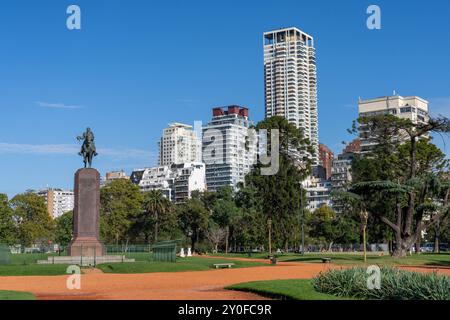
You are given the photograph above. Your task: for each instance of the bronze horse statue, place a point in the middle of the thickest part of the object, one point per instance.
(88, 150)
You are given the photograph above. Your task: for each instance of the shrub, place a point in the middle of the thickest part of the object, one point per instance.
(395, 284)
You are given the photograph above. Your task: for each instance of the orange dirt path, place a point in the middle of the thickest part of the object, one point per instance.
(192, 285)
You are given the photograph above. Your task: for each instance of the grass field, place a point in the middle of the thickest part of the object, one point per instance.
(14, 295)
(182, 264)
(32, 270)
(430, 259)
(293, 289)
(25, 265)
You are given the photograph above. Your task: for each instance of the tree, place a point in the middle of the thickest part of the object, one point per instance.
(156, 207)
(33, 220)
(193, 218)
(332, 228)
(120, 205)
(354, 204)
(280, 193)
(250, 224)
(405, 184)
(215, 235)
(7, 225)
(225, 212)
(64, 228)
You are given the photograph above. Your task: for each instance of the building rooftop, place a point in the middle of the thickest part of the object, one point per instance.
(384, 98)
(287, 29)
(180, 125)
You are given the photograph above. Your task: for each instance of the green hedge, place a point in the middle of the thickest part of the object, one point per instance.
(395, 284)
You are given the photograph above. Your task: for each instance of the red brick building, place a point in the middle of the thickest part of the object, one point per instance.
(353, 147)
(326, 159)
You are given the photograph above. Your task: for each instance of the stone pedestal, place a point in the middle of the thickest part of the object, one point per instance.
(86, 215)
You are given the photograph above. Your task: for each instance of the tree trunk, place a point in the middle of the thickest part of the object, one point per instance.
(329, 247)
(436, 236)
(193, 238)
(436, 244)
(401, 250)
(270, 239)
(156, 227)
(226, 239)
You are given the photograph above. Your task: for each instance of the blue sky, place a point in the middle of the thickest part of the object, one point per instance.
(137, 65)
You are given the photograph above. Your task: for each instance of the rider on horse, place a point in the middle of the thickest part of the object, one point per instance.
(88, 150)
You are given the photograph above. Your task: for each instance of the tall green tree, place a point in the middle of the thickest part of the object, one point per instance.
(281, 193)
(64, 228)
(251, 224)
(157, 211)
(121, 203)
(7, 225)
(225, 213)
(403, 183)
(193, 218)
(332, 228)
(34, 223)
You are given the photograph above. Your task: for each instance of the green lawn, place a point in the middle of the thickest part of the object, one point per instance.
(182, 264)
(33, 270)
(430, 259)
(14, 295)
(292, 289)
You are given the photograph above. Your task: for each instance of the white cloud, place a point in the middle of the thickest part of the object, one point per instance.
(15, 148)
(71, 149)
(58, 105)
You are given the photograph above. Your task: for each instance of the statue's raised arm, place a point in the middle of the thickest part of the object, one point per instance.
(88, 150)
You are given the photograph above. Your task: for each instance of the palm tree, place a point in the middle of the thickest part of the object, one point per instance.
(156, 204)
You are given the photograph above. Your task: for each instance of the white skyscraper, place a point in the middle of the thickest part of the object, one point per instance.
(179, 144)
(291, 81)
(228, 150)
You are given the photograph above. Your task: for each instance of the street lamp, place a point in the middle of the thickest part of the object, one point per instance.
(269, 223)
(303, 220)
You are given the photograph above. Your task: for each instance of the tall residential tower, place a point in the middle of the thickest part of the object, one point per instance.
(291, 81)
(229, 151)
(179, 144)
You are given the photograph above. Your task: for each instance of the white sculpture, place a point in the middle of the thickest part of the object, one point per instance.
(182, 255)
(189, 253)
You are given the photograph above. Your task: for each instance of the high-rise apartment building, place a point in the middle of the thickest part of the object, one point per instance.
(318, 193)
(326, 160)
(229, 151)
(413, 108)
(291, 80)
(189, 177)
(179, 144)
(58, 201)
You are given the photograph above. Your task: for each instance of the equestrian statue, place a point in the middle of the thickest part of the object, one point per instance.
(88, 150)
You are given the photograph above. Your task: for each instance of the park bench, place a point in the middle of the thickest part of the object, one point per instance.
(326, 260)
(223, 265)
